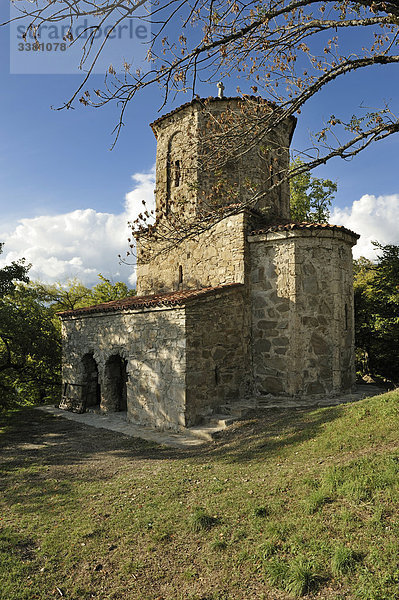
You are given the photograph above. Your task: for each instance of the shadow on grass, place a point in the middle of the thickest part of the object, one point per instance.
(272, 431)
(42, 456)
(29, 437)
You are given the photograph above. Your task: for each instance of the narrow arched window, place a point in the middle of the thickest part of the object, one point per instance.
(180, 275)
(168, 184)
(177, 173)
(217, 375)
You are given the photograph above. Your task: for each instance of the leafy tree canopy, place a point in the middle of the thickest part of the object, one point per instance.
(30, 347)
(16, 271)
(73, 294)
(311, 197)
(377, 313)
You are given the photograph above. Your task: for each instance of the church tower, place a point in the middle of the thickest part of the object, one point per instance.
(209, 154)
(210, 157)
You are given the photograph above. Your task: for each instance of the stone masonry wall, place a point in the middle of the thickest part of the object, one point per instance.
(152, 342)
(196, 166)
(256, 169)
(217, 351)
(175, 185)
(302, 312)
(325, 311)
(185, 182)
(272, 298)
(216, 257)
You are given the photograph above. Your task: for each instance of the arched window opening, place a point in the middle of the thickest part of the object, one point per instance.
(180, 275)
(273, 170)
(173, 174)
(177, 173)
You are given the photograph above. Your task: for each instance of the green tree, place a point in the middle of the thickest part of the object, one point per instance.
(30, 331)
(377, 313)
(73, 294)
(64, 296)
(105, 291)
(311, 197)
(30, 347)
(16, 271)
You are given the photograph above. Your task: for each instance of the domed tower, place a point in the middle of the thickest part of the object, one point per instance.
(211, 155)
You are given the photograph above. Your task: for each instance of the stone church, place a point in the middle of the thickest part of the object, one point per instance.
(251, 306)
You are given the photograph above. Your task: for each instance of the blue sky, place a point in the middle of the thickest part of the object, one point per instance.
(65, 197)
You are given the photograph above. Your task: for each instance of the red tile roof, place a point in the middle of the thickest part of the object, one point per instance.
(292, 226)
(169, 299)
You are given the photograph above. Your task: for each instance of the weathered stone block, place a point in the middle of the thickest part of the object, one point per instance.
(263, 324)
(319, 345)
(262, 345)
(271, 385)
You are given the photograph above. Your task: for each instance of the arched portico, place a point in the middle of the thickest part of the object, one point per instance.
(114, 392)
(91, 394)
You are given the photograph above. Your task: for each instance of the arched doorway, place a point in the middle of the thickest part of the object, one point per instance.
(91, 387)
(115, 378)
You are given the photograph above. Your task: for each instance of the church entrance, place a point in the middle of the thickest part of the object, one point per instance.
(91, 387)
(115, 378)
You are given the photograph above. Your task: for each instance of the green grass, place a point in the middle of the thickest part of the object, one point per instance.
(302, 577)
(344, 560)
(201, 521)
(295, 503)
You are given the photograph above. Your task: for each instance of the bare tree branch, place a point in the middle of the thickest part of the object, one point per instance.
(285, 50)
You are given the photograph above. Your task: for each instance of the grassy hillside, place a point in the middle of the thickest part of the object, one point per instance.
(293, 503)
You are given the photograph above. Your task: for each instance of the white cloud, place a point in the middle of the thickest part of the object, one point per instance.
(84, 242)
(81, 243)
(375, 218)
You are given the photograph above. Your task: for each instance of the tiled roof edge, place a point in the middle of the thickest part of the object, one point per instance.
(205, 101)
(294, 226)
(177, 298)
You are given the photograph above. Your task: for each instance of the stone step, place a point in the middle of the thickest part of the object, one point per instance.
(203, 432)
(237, 409)
(221, 420)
